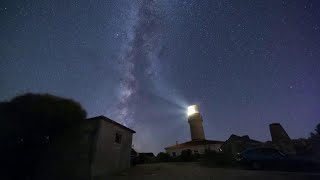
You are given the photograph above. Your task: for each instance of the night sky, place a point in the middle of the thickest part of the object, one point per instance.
(246, 63)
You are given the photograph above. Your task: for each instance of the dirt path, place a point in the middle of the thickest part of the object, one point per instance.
(193, 171)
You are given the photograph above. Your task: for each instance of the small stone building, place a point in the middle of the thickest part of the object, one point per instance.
(236, 144)
(112, 147)
(95, 148)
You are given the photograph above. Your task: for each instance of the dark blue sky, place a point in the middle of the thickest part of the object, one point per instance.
(246, 63)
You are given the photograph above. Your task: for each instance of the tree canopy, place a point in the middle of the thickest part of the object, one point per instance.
(30, 122)
(316, 132)
(39, 115)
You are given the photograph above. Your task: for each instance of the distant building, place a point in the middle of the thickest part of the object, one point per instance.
(95, 148)
(280, 141)
(236, 144)
(198, 143)
(146, 157)
(149, 154)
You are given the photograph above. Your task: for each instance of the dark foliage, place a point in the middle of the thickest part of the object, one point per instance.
(163, 157)
(186, 155)
(213, 158)
(146, 158)
(317, 132)
(29, 124)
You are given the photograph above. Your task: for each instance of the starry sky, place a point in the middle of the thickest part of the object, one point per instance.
(142, 62)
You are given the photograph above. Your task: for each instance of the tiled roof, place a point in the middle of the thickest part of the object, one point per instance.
(194, 143)
(112, 122)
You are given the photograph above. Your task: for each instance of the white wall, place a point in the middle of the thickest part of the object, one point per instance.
(200, 148)
(110, 156)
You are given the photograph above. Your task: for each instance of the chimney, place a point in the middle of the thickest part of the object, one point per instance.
(280, 138)
(176, 142)
(278, 134)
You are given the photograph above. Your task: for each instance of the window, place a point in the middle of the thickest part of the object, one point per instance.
(174, 154)
(118, 138)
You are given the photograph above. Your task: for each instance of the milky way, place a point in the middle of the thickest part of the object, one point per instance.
(139, 59)
(140, 62)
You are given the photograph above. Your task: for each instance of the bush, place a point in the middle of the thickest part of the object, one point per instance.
(163, 157)
(213, 158)
(186, 155)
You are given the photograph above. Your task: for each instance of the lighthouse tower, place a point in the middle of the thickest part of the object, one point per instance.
(195, 122)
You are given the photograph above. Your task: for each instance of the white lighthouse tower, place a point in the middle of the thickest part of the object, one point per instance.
(198, 143)
(195, 122)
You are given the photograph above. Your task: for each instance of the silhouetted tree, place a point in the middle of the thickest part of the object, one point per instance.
(29, 123)
(316, 133)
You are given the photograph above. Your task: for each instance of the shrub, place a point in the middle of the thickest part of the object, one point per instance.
(163, 157)
(213, 158)
(186, 155)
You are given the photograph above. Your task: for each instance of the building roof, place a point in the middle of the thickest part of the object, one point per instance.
(194, 143)
(112, 122)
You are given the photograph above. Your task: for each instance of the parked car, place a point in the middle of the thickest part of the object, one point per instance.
(270, 158)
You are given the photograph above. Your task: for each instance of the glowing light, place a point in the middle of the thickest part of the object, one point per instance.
(192, 110)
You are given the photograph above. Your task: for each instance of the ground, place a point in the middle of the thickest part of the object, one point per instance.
(194, 171)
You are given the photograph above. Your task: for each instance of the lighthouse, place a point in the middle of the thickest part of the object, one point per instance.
(195, 122)
(198, 143)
